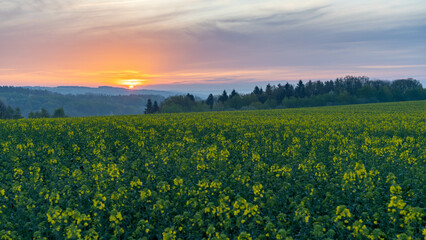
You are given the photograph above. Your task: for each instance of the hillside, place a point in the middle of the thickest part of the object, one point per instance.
(75, 105)
(103, 90)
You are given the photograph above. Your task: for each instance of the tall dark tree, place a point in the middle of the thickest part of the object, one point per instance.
(233, 94)
(148, 107)
(279, 93)
(224, 97)
(329, 86)
(155, 107)
(309, 89)
(300, 89)
(262, 97)
(289, 90)
(319, 88)
(339, 85)
(257, 91)
(190, 97)
(210, 100)
(268, 90)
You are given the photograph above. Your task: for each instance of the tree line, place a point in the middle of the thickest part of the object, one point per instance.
(347, 90)
(43, 113)
(7, 112)
(75, 105)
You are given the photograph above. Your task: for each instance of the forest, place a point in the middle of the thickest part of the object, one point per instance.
(30, 100)
(16, 102)
(342, 91)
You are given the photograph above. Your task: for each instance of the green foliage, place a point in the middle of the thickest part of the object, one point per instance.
(210, 100)
(348, 172)
(176, 104)
(59, 113)
(151, 108)
(43, 113)
(7, 112)
(342, 91)
(75, 105)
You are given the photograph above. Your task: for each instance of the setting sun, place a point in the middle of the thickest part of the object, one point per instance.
(131, 83)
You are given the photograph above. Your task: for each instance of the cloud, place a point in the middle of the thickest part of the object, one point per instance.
(277, 18)
(197, 40)
(392, 66)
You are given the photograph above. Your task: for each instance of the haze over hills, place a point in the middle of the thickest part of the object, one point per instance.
(77, 105)
(102, 90)
(87, 101)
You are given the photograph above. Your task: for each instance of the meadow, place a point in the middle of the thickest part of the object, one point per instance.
(347, 172)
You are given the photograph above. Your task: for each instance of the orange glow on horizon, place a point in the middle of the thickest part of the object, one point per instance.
(131, 83)
(133, 78)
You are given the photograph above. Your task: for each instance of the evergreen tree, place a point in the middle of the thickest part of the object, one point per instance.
(190, 97)
(268, 90)
(257, 91)
(347, 90)
(289, 90)
(210, 100)
(319, 88)
(309, 89)
(328, 86)
(233, 94)
(279, 93)
(224, 97)
(155, 107)
(149, 107)
(300, 89)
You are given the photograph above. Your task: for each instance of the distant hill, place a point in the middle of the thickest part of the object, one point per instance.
(103, 90)
(76, 105)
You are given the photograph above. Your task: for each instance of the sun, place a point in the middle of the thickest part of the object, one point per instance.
(131, 83)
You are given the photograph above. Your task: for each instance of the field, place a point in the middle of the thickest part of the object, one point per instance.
(314, 173)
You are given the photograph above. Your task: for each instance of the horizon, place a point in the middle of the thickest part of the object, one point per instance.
(201, 92)
(217, 90)
(199, 46)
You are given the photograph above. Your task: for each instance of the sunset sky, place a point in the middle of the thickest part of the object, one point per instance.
(204, 45)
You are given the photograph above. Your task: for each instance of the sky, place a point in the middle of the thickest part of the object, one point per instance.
(199, 45)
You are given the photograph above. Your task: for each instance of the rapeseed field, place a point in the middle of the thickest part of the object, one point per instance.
(348, 172)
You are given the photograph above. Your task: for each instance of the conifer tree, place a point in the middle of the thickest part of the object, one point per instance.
(210, 100)
(155, 107)
(149, 107)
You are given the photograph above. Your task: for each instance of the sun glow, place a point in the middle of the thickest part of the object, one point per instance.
(131, 83)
